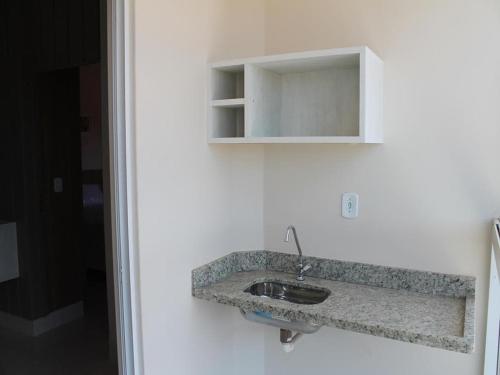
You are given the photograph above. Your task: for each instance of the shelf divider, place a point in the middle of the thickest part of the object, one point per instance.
(229, 103)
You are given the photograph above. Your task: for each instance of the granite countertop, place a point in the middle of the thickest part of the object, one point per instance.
(421, 307)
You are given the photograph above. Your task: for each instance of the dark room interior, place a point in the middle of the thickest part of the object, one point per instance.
(54, 310)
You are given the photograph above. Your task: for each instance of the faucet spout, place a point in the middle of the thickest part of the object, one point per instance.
(291, 228)
(300, 266)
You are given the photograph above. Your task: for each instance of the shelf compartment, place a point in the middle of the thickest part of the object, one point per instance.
(227, 122)
(228, 82)
(305, 98)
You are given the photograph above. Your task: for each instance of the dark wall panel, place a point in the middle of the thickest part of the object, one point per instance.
(91, 46)
(22, 171)
(61, 35)
(46, 34)
(67, 33)
(60, 117)
(41, 44)
(75, 32)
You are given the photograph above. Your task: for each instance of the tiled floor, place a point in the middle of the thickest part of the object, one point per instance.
(77, 348)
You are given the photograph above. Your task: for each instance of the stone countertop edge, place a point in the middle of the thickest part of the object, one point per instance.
(423, 282)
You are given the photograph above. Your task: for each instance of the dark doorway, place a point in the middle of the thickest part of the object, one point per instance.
(54, 304)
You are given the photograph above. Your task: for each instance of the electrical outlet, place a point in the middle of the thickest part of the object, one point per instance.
(350, 205)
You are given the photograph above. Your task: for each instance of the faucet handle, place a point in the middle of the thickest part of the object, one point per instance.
(302, 270)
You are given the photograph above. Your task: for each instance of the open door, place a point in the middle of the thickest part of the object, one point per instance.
(61, 194)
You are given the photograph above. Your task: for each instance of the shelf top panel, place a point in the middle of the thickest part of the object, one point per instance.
(299, 60)
(231, 68)
(311, 64)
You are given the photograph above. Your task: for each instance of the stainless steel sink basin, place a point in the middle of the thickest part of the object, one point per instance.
(303, 295)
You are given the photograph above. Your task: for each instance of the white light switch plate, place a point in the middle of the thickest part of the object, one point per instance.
(350, 205)
(58, 185)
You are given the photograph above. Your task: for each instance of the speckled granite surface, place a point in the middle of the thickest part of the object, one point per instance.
(414, 306)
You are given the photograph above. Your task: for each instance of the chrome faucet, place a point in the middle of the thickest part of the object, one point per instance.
(301, 269)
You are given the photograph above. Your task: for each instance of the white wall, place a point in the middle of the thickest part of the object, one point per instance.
(427, 196)
(195, 202)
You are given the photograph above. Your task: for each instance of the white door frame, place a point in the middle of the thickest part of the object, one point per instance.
(491, 347)
(123, 187)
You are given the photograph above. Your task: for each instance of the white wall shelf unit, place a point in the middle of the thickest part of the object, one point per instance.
(327, 96)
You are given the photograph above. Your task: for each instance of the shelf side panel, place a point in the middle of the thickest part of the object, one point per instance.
(372, 101)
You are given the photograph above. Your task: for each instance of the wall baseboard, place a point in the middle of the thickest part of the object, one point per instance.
(44, 324)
